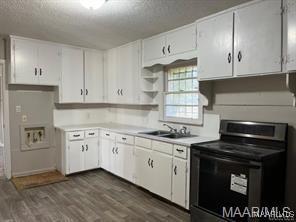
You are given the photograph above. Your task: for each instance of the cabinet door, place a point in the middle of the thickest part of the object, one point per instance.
(111, 69)
(91, 154)
(179, 183)
(72, 88)
(161, 165)
(76, 156)
(125, 159)
(93, 67)
(114, 164)
(25, 57)
(129, 70)
(143, 168)
(291, 54)
(154, 48)
(105, 154)
(214, 47)
(50, 64)
(258, 41)
(182, 40)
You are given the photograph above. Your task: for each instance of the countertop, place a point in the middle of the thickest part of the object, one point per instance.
(136, 131)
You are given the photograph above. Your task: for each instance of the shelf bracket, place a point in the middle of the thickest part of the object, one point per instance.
(291, 85)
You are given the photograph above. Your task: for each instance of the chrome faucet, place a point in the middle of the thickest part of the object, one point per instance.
(172, 129)
(184, 131)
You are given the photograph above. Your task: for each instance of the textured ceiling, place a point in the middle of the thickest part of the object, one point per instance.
(116, 23)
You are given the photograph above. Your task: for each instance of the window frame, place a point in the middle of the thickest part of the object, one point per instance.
(180, 120)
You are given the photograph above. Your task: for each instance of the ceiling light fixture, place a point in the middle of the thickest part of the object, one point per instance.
(92, 4)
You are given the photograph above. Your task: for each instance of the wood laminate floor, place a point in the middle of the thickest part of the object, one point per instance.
(90, 196)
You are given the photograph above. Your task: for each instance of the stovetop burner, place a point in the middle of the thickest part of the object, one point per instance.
(239, 150)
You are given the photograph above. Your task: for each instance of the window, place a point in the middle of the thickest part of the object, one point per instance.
(181, 99)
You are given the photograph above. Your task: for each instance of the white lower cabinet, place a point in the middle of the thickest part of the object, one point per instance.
(125, 161)
(179, 182)
(161, 166)
(105, 153)
(82, 152)
(75, 156)
(143, 167)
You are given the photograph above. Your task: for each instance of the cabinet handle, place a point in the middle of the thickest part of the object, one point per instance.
(35, 71)
(123, 138)
(175, 170)
(149, 162)
(76, 135)
(113, 150)
(121, 92)
(229, 58)
(116, 150)
(86, 92)
(152, 163)
(91, 134)
(107, 134)
(82, 148)
(169, 48)
(40, 72)
(239, 56)
(86, 148)
(81, 91)
(163, 50)
(118, 92)
(180, 151)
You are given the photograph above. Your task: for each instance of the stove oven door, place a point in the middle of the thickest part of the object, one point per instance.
(220, 185)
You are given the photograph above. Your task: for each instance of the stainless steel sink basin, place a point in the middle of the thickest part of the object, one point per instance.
(167, 134)
(156, 133)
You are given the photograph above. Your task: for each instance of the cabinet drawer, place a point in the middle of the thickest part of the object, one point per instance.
(143, 142)
(162, 147)
(180, 151)
(77, 135)
(107, 135)
(125, 139)
(91, 133)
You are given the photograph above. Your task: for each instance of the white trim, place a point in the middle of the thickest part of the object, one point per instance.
(6, 150)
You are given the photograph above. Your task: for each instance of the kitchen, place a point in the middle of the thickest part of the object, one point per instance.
(110, 112)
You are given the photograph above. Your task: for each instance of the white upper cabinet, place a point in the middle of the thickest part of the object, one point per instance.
(50, 64)
(72, 87)
(291, 37)
(122, 72)
(214, 47)
(243, 41)
(94, 79)
(34, 62)
(181, 41)
(82, 76)
(154, 48)
(258, 38)
(170, 46)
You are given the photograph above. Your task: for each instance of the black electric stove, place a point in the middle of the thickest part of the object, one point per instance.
(244, 169)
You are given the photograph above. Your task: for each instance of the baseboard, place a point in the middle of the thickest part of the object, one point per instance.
(32, 172)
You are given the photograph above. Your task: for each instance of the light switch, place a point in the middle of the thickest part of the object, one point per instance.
(18, 109)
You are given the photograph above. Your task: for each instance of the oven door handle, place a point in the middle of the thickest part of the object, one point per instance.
(227, 160)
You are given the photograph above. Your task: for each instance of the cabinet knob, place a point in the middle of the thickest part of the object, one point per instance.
(118, 91)
(175, 170)
(86, 147)
(163, 50)
(40, 72)
(169, 48)
(81, 91)
(239, 56)
(82, 148)
(116, 150)
(149, 162)
(121, 92)
(86, 92)
(35, 71)
(229, 58)
(113, 150)
(152, 163)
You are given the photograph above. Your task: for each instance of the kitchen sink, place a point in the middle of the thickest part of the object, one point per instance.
(167, 134)
(157, 133)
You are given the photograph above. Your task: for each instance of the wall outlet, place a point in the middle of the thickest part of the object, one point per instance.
(24, 118)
